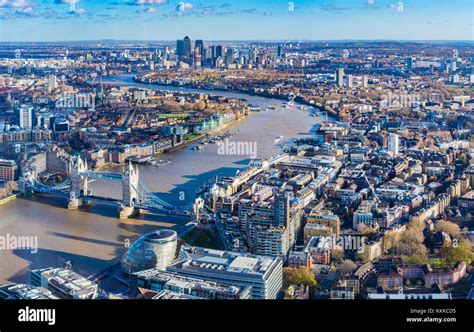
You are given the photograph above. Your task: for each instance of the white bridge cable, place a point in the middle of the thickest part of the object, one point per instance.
(150, 199)
(41, 187)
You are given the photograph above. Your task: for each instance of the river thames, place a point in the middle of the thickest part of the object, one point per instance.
(94, 238)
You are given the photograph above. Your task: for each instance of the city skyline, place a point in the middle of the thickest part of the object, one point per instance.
(23, 20)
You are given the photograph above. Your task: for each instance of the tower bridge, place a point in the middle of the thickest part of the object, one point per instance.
(135, 196)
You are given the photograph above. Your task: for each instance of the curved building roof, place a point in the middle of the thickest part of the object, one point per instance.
(153, 250)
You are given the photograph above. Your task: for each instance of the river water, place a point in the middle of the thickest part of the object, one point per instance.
(93, 238)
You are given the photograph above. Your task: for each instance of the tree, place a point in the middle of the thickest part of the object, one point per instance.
(419, 254)
(413, 235)
(463, 159)
(347, 267)
(363, 256)
(416, 225)
(390, 239)
(456, 252)
(337, 255)
(410, 244)
(298, 276)
(448, 227)
(365, 229)
(200, 106)
(170, 106)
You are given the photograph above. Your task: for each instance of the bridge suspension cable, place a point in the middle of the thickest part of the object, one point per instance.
(148, 199)
(43, 188)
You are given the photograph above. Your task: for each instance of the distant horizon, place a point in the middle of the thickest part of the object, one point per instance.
(244, 40)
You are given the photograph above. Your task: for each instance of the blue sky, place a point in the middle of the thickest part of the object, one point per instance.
(62, 20)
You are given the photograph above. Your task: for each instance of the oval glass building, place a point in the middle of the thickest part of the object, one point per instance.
(153, 250)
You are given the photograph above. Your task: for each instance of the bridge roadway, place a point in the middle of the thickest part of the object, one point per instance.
(145, 199)
(110, 201)
(102, 175)
(118, 203)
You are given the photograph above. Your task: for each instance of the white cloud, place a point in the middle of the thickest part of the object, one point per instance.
(150, 2)
(147, 11)
(66, 1)
(28, 11)
(17, 4)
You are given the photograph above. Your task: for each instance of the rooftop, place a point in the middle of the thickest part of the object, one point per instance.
(26, 292)
(195, 258)
(67, 280)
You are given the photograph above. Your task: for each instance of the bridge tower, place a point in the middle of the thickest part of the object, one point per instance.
(198, 206)
(130, 196)
(78, 182)
(23, 182)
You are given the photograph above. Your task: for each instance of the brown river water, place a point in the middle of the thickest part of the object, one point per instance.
(93, 238)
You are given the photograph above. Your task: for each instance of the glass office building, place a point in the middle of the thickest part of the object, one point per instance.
(155, 250)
